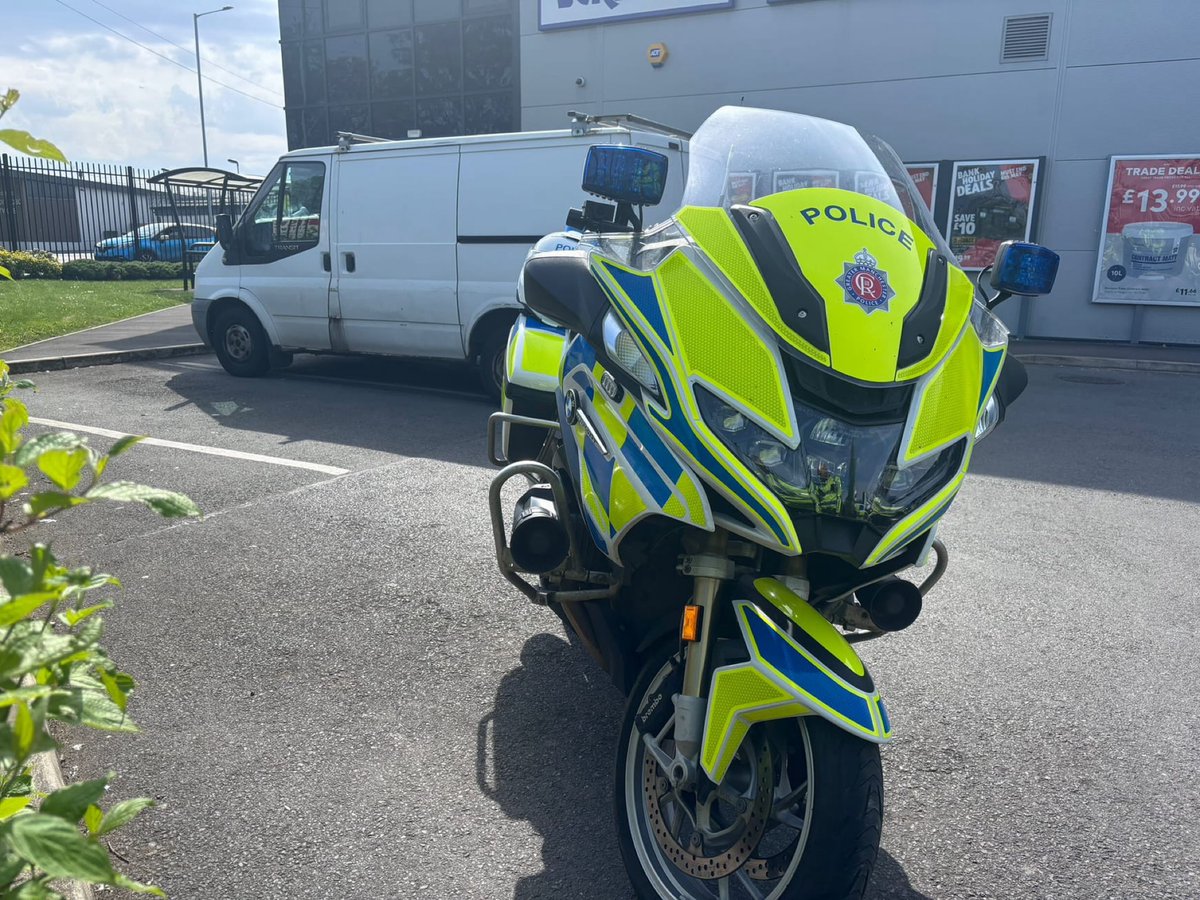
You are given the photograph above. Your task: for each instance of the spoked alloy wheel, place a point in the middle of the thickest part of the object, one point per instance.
(797, 816)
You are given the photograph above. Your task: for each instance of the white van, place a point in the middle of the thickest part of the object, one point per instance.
(403, 248)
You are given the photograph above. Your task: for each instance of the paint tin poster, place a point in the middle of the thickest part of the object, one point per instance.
(1149, 246)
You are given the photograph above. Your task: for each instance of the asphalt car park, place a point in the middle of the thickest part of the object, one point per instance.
(340, 697)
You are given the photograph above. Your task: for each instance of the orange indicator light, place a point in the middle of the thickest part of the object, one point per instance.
(691, 623)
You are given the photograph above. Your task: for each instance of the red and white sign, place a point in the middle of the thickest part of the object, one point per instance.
(1150, 252)
(925, 177)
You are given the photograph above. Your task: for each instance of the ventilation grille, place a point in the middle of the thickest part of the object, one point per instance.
(1026, 38)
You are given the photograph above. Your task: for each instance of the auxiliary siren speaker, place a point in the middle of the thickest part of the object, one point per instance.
(893, 603)
(539, 542)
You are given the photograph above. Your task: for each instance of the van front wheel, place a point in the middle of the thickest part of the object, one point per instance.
(241, 343)
(492, 364)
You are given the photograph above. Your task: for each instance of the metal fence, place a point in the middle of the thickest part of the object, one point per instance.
(68, 209)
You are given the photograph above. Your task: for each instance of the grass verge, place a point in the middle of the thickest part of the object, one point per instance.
(34, 309)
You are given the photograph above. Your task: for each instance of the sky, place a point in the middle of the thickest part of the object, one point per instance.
(101, 98)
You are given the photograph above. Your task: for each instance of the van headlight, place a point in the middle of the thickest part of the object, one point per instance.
(623, 350)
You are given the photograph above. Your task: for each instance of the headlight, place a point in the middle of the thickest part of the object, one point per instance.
(838, 469)
(622, 349)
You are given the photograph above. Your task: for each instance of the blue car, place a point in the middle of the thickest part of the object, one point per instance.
(157, 241)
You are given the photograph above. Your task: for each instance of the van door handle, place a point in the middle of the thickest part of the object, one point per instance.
(326, 262)
(349, 262)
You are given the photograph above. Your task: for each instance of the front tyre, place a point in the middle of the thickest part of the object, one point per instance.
(798, 816)
(240, 342)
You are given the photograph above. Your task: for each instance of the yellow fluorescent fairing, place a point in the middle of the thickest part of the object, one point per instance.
(703, 316)
(812, 671)
(754, 382)
(633, 475)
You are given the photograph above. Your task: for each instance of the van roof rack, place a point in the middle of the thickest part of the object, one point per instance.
(347, 139)
(581, 121)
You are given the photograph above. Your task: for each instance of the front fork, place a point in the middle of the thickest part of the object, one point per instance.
(709, 568)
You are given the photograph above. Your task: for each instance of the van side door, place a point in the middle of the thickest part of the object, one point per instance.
(395, 268)
(283, 250)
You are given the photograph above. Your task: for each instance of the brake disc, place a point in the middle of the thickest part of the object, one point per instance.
(754, 818)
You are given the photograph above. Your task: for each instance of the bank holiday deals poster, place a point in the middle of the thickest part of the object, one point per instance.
(991, 201)
(1149, 246)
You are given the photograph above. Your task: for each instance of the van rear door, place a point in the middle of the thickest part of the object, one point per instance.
(394, 263)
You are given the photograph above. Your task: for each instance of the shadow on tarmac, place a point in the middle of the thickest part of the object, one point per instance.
(320, 401)
(551, 737)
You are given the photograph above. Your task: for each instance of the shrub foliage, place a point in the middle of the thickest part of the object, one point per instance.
(52, 665)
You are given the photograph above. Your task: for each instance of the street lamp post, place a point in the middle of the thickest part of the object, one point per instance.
(237, 166)
(199, 80)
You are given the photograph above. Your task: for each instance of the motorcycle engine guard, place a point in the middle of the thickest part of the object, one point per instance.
(810, 671)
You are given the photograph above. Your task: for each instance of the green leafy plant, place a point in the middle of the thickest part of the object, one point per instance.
(52, 665)
(23, 140)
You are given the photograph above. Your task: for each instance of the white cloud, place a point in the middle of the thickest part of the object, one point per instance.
(102, 99)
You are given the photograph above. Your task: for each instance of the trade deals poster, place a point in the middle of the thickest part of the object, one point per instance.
(1149, 249)
(991, 201)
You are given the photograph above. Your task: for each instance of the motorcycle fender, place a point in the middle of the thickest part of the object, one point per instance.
(535, 352)
(811, 671)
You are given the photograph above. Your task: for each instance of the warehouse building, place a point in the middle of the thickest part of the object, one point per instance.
(1015, 108)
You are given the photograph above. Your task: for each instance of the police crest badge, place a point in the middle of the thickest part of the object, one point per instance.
(865, 283)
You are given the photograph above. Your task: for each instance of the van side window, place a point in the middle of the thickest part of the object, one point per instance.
(286, 216)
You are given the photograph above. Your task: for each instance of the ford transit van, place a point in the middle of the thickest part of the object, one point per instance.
(402, 248)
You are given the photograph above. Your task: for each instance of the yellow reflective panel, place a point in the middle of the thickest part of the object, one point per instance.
(831, 231)
(735, 690)
(816, 625)
(716, 235)
(718, 345)
(624, 504)
(947, 407)
(543, 351)
(694, 499)
(960, 295)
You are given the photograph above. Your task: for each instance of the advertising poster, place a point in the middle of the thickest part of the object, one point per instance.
(875, 185)
(991, 201)
(740, 187)
(1149, 251)
(572, 13)
(925, 177)
(805, 178)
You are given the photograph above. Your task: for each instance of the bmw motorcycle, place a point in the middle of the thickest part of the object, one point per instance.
(736, 430)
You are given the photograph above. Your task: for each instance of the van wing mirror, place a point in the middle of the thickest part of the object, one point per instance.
(225, 230)
(623, 174)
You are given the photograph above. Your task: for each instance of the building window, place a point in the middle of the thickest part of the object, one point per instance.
(314, 73)
(343, 15)
(488, 50)
(392, 64)
(389, 13)
(440, 116)
(346, 68)
(387, 67)
(393, 119)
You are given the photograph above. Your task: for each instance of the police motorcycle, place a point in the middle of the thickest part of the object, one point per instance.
(753, 416)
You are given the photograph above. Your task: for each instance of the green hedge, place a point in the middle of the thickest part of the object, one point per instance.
(97, 270)
(34, 264)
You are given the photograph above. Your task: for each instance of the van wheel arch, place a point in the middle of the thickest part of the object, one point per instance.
(489, 337)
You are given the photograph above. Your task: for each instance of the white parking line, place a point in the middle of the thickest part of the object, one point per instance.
(196, 448)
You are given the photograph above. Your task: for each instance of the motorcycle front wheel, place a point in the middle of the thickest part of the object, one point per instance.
(797, 817)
